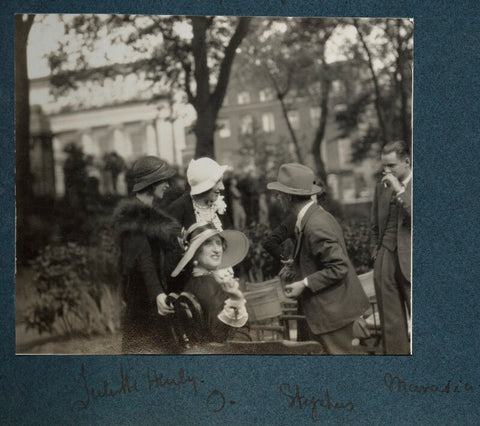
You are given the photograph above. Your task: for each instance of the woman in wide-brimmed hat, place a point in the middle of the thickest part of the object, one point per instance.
(203, 202)
(210, 253)
(148, 253)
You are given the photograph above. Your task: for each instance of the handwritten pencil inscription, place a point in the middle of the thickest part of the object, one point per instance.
(153, 380)
(313, 404)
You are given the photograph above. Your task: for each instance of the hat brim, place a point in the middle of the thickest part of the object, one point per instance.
(277, 186)
(210, 183)
(237, 248)
(157, 176)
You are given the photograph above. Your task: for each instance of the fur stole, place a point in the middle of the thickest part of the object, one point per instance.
(131, 215)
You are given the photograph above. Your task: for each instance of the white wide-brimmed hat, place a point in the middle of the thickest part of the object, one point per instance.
(203, 174)
(237, 245)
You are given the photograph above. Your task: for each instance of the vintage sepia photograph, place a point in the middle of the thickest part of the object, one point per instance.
(213, 185)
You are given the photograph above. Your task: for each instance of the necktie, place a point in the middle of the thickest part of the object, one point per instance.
(297, 242)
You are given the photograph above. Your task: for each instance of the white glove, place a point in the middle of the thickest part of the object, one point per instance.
(162, 306)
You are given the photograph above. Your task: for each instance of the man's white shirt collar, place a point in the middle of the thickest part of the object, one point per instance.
(301, 213)
(407, 179)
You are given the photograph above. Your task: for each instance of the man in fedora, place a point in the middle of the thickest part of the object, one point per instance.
(327, 287)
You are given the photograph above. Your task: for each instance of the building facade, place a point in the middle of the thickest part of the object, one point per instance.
(253, 111)
(100, 123)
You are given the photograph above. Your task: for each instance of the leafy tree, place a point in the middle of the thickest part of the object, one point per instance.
(266, 153)
(113, 164)
(389, 89)
(289, 55)
(194, 54)
(75, 176)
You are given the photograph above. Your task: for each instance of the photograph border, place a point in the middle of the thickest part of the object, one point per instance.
(439, 382)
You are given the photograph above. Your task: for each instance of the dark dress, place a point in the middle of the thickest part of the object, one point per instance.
(211, 297)
(148, 253)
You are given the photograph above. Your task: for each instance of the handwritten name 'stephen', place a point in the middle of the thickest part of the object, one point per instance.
(301, 402)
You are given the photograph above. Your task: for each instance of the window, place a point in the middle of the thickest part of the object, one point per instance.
(344, 152)
(340, 112)
(315, 114)
(243, 98)
(333, 185)
(268, 122)
(348, 188)
(138, 137)
(294, 119)
(246, 125)
(266, 95)
(315, 88)
(224, 128)
(336, 87)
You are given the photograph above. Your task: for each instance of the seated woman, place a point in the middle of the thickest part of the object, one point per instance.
(209, 251)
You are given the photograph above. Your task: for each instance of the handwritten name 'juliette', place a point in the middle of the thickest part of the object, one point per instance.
(125, 384)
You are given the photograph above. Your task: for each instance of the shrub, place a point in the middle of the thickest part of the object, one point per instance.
(78, 291)
(260, 266)
(357, 240)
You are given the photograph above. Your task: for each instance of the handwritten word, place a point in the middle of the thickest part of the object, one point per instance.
(155, 380)
(396, 384)
(297, 400)
(125, 386)
(152, 381)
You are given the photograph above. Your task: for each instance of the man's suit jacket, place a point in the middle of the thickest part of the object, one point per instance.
(334, 297)
(380, 209)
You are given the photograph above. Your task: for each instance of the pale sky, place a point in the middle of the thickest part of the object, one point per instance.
(44, 38)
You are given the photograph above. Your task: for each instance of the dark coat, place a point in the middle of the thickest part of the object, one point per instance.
(182, 210)
(212, 298)
(273, 242)
(148, 253)
(334, 297)
(379, 221)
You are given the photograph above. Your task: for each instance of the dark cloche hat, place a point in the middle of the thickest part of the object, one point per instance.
(149, 170)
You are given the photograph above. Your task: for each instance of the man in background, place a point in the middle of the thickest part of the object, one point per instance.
(391, 237)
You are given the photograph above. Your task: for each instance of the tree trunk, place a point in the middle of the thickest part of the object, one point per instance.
(320, 133)
(22, 130)
(205, 103)
(290, 130)
(204, 132)
(406, 126)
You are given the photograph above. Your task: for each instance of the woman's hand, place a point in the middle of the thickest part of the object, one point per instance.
(235, 294)
(162, 306)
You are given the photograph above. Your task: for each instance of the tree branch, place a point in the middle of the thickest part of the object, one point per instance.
(378, 107)
(226, 65)
(188, 73)
(199, 50)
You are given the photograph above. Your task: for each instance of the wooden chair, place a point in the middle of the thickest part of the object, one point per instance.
(189, 329)
(369, 332)
(272, 315)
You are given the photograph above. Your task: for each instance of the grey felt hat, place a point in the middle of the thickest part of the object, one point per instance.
(296, 179)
